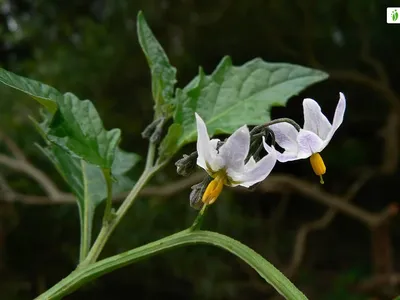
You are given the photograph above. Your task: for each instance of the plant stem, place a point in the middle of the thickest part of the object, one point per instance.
(109, 227)
(85, 239)
(86, 220)
(276, 121)
(199, 219)
(186, 237)
(107, 211)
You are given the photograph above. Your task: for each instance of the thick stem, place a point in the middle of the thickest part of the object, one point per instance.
(187, 237)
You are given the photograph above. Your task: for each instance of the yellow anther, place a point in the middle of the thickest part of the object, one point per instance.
(213, 190)
(317, 163)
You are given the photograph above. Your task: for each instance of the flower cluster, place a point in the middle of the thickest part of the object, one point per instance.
(232, 165)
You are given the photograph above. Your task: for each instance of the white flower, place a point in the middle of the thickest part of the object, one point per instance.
(312, 138)
(227, 164)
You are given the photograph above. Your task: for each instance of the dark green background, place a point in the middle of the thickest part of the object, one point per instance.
(91, 49)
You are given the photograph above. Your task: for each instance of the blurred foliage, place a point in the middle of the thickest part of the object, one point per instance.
(90, 48)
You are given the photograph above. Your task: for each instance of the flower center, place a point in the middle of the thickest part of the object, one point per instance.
(318, 165)
(214, 188)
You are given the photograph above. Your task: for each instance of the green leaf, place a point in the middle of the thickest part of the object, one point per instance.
(265, 269)
(168, 144)
(41, 92)
(163, 75)
(87, 183)
(77, 128)
(235, 95)
(123, 163)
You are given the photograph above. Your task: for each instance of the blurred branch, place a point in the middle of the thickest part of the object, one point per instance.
(12, 146)
(279, 183)
(274, 183)
(299, 248)
(41, 178)
(300, 244)
(378, 281)
(7, 191)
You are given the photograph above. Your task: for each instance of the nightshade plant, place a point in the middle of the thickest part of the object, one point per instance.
(232, 100)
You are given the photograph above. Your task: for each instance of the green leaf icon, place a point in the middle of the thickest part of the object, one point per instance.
(395, 15)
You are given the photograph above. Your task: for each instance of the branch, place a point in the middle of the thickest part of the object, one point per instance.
(300, 245)
(164, 191)
(25, 167)
(13, 147)
(378, 281)
(7, 192)
(274, 183)
(279, 183)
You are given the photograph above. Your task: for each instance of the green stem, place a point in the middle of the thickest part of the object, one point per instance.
(86, 220)
(199, 219)
(107, 211)
(109, 227)
(85, 239)
(187, 237)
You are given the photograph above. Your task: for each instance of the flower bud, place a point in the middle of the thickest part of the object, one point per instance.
(196, 195)
(186, 165)
(154, 130)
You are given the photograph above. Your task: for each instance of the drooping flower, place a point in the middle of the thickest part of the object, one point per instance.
(312, 138)
(227, 164)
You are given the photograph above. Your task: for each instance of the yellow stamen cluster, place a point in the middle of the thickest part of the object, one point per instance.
(318, 165)
(213, 189)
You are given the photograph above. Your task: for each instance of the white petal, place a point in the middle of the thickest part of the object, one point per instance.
(214, 143)
(251, 163)
(285, 136)
(314, 120)
(256, 171)
(207, 154)
(287, 155)
(236, 149)
(337, 119)
(309, 143)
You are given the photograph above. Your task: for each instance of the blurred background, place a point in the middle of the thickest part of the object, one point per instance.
(336, 241)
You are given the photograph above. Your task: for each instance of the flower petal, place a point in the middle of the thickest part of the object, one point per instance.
(285, 136)
(236, 149)
(256, 171)
(314, 120)
(207, 154)
(309, 143)
(337, 119)
(287, 155)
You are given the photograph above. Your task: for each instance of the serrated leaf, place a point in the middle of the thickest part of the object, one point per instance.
(163, 75)
(77, 128)
(235, 95)
(41, 92)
